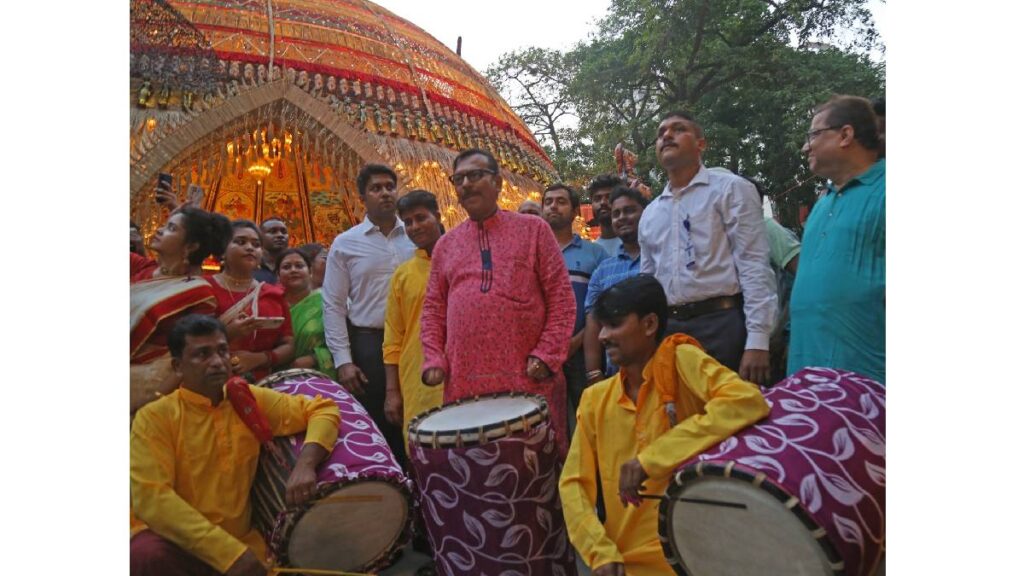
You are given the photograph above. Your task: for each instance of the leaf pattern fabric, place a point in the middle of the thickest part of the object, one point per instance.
(824, 442)
(494, 509)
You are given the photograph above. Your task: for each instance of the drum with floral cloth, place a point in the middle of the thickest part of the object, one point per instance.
(801, 492)
(487, 477)
(360, 515)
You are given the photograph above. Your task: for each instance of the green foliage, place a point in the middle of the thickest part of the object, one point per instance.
(535, 82)
(751, 70)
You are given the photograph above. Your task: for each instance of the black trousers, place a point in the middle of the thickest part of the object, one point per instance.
(368, 354)
(723, 334)
(576, 381)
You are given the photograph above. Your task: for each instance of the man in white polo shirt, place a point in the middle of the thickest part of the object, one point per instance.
(359, 268)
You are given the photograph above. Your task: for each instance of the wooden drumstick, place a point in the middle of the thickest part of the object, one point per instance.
(698, 501)
(315, 572)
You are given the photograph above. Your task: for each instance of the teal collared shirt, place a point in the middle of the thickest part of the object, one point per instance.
(838, 302)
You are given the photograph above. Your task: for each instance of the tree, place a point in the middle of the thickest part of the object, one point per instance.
(750, 70)
(535, 83)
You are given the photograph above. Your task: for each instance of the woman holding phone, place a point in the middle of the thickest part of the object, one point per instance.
(294, 271)
(255, 313)
(166, 288)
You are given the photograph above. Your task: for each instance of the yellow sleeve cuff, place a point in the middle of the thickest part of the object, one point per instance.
(323, 424)
(224, 560)
(392, 354)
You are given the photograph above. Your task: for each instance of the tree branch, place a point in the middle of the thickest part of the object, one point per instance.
(698, 38)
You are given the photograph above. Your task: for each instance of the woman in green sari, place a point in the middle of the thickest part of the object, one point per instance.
(307, 310)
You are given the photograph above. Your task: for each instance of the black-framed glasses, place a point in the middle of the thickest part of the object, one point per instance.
(814, 133)
(469, 175)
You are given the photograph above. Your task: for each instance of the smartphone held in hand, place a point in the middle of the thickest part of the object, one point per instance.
(268, 322)
(164, 181)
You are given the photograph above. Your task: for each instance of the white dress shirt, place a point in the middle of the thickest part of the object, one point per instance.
(359, 268)
(729, 247)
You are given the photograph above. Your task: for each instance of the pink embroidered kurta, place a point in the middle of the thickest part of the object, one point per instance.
(498, 293)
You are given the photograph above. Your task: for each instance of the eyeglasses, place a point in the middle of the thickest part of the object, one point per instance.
(814, 133)
(470, 175)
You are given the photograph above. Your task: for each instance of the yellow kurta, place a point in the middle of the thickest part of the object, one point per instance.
(402, 345)
(192, 465)
(610, 430)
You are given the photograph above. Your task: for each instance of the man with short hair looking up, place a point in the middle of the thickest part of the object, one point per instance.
(703, 238)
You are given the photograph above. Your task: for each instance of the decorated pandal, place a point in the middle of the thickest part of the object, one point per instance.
(273, 107)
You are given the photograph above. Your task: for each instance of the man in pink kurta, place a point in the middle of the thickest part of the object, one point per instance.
(499, 309)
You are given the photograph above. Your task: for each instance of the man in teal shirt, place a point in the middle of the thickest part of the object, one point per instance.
(838, 303)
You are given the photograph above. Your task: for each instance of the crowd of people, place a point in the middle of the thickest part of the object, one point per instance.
(648, 344)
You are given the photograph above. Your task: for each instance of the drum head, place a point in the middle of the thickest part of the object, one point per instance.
(350, 528)
(278, 377)
(472, 414)
(766, 538)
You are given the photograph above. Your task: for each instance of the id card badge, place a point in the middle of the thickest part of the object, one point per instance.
(689, 252)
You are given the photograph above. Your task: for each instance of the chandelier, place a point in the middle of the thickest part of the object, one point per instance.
(259, 170)
(257, 152)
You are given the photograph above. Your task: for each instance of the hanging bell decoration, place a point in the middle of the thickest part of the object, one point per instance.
(145, 92)
(165, 97)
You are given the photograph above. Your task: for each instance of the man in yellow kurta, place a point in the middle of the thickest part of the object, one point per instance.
(668, 402)
(407, 395)
(193, 460)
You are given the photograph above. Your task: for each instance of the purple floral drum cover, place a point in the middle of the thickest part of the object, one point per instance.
(361, 464)
(493, 509)
(822, 451)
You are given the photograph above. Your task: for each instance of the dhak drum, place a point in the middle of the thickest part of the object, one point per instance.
(360, 515)
(487, 472)
(812, 478)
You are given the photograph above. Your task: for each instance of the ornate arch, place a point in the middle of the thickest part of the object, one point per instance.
(203, 124)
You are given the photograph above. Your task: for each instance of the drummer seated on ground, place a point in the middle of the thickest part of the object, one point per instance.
(194, 457)
(668, 402)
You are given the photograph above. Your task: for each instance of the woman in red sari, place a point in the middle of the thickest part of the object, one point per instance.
(166, 288)
(255, 313)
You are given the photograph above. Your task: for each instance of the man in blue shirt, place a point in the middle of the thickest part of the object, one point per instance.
(560, 207)
(627, 205)
(837, 306)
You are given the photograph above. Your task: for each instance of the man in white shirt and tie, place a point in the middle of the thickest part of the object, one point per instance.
(355, 292)
(704, 239)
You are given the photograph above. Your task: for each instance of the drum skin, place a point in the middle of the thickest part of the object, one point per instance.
(820, 455)
(493, 508)
(360, 515)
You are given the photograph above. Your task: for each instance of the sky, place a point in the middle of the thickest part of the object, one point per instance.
(488, 33)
